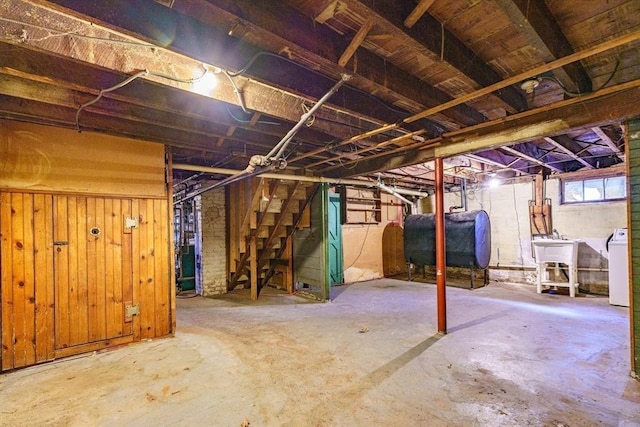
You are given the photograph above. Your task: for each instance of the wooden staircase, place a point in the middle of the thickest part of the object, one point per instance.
(264, 215)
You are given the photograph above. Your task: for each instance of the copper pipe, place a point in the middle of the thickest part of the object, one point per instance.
(441, 262)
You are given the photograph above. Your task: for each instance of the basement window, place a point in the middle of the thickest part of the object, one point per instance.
(594, 189)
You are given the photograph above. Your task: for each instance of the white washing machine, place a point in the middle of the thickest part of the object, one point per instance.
(619, 268)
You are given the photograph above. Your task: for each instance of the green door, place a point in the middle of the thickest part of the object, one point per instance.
(335, 240)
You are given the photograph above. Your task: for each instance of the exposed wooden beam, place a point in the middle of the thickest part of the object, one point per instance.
(201, 43)
(29, 56)
(608, 105)
(529, 158)
(259, 25)
(583, 174)
(495, 163)
(355, 43)
(361, 151)
(485, 160)
(254, 119)
(427, 34)
(568, 152)
(593, 50)
(608, 141)
(229, 133)
(417, 13)
(534, 20)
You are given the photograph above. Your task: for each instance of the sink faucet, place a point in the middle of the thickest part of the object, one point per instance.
(556, 235)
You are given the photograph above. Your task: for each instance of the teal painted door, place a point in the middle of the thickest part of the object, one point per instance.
(335, 240)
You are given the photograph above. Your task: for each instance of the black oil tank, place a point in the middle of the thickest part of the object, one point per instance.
(467, 237)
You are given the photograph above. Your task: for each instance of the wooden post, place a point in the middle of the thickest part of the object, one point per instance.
(441, 264)
(253, 260)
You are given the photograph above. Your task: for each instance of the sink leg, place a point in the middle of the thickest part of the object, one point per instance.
(540, 273)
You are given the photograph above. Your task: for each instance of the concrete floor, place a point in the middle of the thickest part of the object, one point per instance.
(369, 357)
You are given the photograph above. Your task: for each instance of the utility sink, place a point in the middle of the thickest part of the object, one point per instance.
(557, 251)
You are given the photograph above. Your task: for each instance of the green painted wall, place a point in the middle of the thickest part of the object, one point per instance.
(633, 160)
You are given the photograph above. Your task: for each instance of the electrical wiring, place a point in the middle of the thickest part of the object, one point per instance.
(236, 91)
(72, 34)
(353, 151)
(239, 120)
(575, 94)
(249, 63)
(128, 80)
(361, 249)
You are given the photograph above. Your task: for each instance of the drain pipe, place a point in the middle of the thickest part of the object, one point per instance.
(392, 191)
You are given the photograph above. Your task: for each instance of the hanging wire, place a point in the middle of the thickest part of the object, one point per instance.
(128, 80)
(576, 94)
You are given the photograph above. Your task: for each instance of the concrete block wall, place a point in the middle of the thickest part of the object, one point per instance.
(511, 255)
(214, 250)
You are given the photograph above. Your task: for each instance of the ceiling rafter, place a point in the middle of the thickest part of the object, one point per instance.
(320, 48)
(57, 56)
(417, 12)
(621, 102)
(204, 43)
(527, 157)
(561, 146)
(541, 30)
(355, 43)
(427, 33)
(608, 141)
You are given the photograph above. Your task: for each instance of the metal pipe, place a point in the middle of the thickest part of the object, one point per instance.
(441, 262)
(463, 193)
(279, 148)
(291, 177)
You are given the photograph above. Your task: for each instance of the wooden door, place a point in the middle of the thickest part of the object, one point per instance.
(92, 273)
(335, 240)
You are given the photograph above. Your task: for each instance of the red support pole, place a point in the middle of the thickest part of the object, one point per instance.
(441, 264)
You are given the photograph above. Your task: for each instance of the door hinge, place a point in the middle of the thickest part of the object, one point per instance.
(131, 310)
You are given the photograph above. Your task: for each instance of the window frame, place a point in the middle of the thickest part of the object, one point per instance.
(603, 179)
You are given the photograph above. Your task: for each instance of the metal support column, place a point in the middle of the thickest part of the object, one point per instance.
(441, 264)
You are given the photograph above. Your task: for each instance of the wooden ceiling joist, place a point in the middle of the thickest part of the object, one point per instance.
(427, 33)
(417, 12)
(520, 154)
(541, 30)
(567, 151)
(622, 102)
(319, 48)
(355, 43)
(608, 141)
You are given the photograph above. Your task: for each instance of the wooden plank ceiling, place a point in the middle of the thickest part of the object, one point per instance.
(511, 86)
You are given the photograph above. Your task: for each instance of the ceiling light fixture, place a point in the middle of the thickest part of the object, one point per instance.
(530, 85)
(206, 84)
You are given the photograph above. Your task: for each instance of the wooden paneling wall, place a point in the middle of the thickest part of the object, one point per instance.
(27, 279)
(65, 289)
